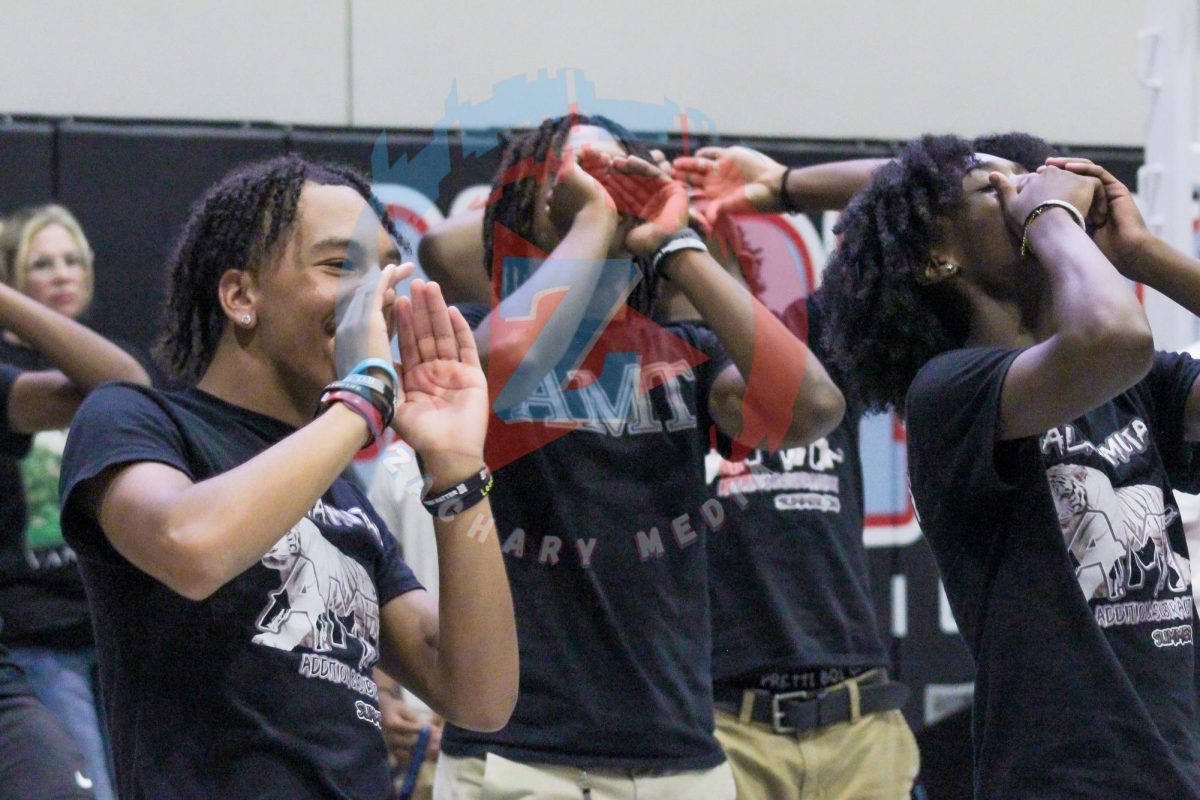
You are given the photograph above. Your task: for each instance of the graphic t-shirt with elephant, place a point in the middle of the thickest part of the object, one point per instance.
(264, 689)
(1065, 564)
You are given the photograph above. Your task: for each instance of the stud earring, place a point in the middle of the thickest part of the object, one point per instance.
(246, 318)
(939, 270)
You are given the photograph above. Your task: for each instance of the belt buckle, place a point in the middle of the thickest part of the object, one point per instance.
(777, 713)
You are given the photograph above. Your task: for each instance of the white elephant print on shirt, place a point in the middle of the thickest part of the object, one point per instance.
(326, 596)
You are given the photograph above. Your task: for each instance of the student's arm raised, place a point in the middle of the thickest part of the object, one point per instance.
(196, 537)
(1143, 257)
(84, 359)
(1101, 344)
(460, 655)
(740, 180)
(767, 358)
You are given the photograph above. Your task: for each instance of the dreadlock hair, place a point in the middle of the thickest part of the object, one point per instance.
(241, 222)
(1021, 148)
(525, 166)
(885, 324)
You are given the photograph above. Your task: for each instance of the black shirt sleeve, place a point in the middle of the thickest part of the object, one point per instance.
(1170, 382)
(117, 424)
(392, 576)
(12, 443)
(953, 412)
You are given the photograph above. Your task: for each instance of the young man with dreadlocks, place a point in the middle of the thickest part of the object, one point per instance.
(601, 506)
(242, 589)
(1044, 436)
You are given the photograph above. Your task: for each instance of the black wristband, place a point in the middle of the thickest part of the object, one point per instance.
(380, 387)
(462, 496)
(785, 197)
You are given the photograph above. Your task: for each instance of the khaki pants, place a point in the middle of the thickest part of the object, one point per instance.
(874, 758)
(424, 788)
(496, 778)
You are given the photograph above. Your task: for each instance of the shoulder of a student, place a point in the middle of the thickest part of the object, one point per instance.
(957, 377)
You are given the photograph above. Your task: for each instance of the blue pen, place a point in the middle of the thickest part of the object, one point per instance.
(414, 766)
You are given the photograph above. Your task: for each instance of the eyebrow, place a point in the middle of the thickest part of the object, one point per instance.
(334, 243)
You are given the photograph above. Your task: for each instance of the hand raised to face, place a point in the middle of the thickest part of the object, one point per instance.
(1021, 196)
(364, 322)
(442, 405)
(734, 180)
(1122, 231)
(644, 191)
(576, 188)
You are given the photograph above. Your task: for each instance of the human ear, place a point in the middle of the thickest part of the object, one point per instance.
(937, 268)
(237, 292)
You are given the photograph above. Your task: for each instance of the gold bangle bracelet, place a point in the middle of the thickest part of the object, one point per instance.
(1042, 208)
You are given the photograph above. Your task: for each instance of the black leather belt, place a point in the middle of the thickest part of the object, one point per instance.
(801, 712)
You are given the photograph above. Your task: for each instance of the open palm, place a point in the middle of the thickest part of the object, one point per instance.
(644, 191)
(442, 407)
(735, 180)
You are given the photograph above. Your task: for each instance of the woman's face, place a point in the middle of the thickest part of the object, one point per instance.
(546, 235)
(977, 237)
(337, 241)
(57, 272)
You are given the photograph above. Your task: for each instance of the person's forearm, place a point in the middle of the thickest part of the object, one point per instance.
(84, 356)
(451, 253)
(214, 530)
(1169, 271)
(771, 359)
(477, 661)
(1097, 317)
(830, 186)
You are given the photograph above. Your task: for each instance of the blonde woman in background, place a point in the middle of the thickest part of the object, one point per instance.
(45, 255)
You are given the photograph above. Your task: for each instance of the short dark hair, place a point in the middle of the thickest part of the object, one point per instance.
(240, 223)
(524, 165)
(883, 323)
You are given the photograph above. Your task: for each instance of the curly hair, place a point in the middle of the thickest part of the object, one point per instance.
(241, 222)
(524, 167)
(884, 325)
(1018, 147)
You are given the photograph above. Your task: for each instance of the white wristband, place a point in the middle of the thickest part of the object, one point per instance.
(675, 244)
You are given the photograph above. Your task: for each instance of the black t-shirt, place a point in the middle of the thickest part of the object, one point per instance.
(264, 689)
(41, 593)
(1065, 564)
(788, 572)
(603, 536)
(12, 447)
